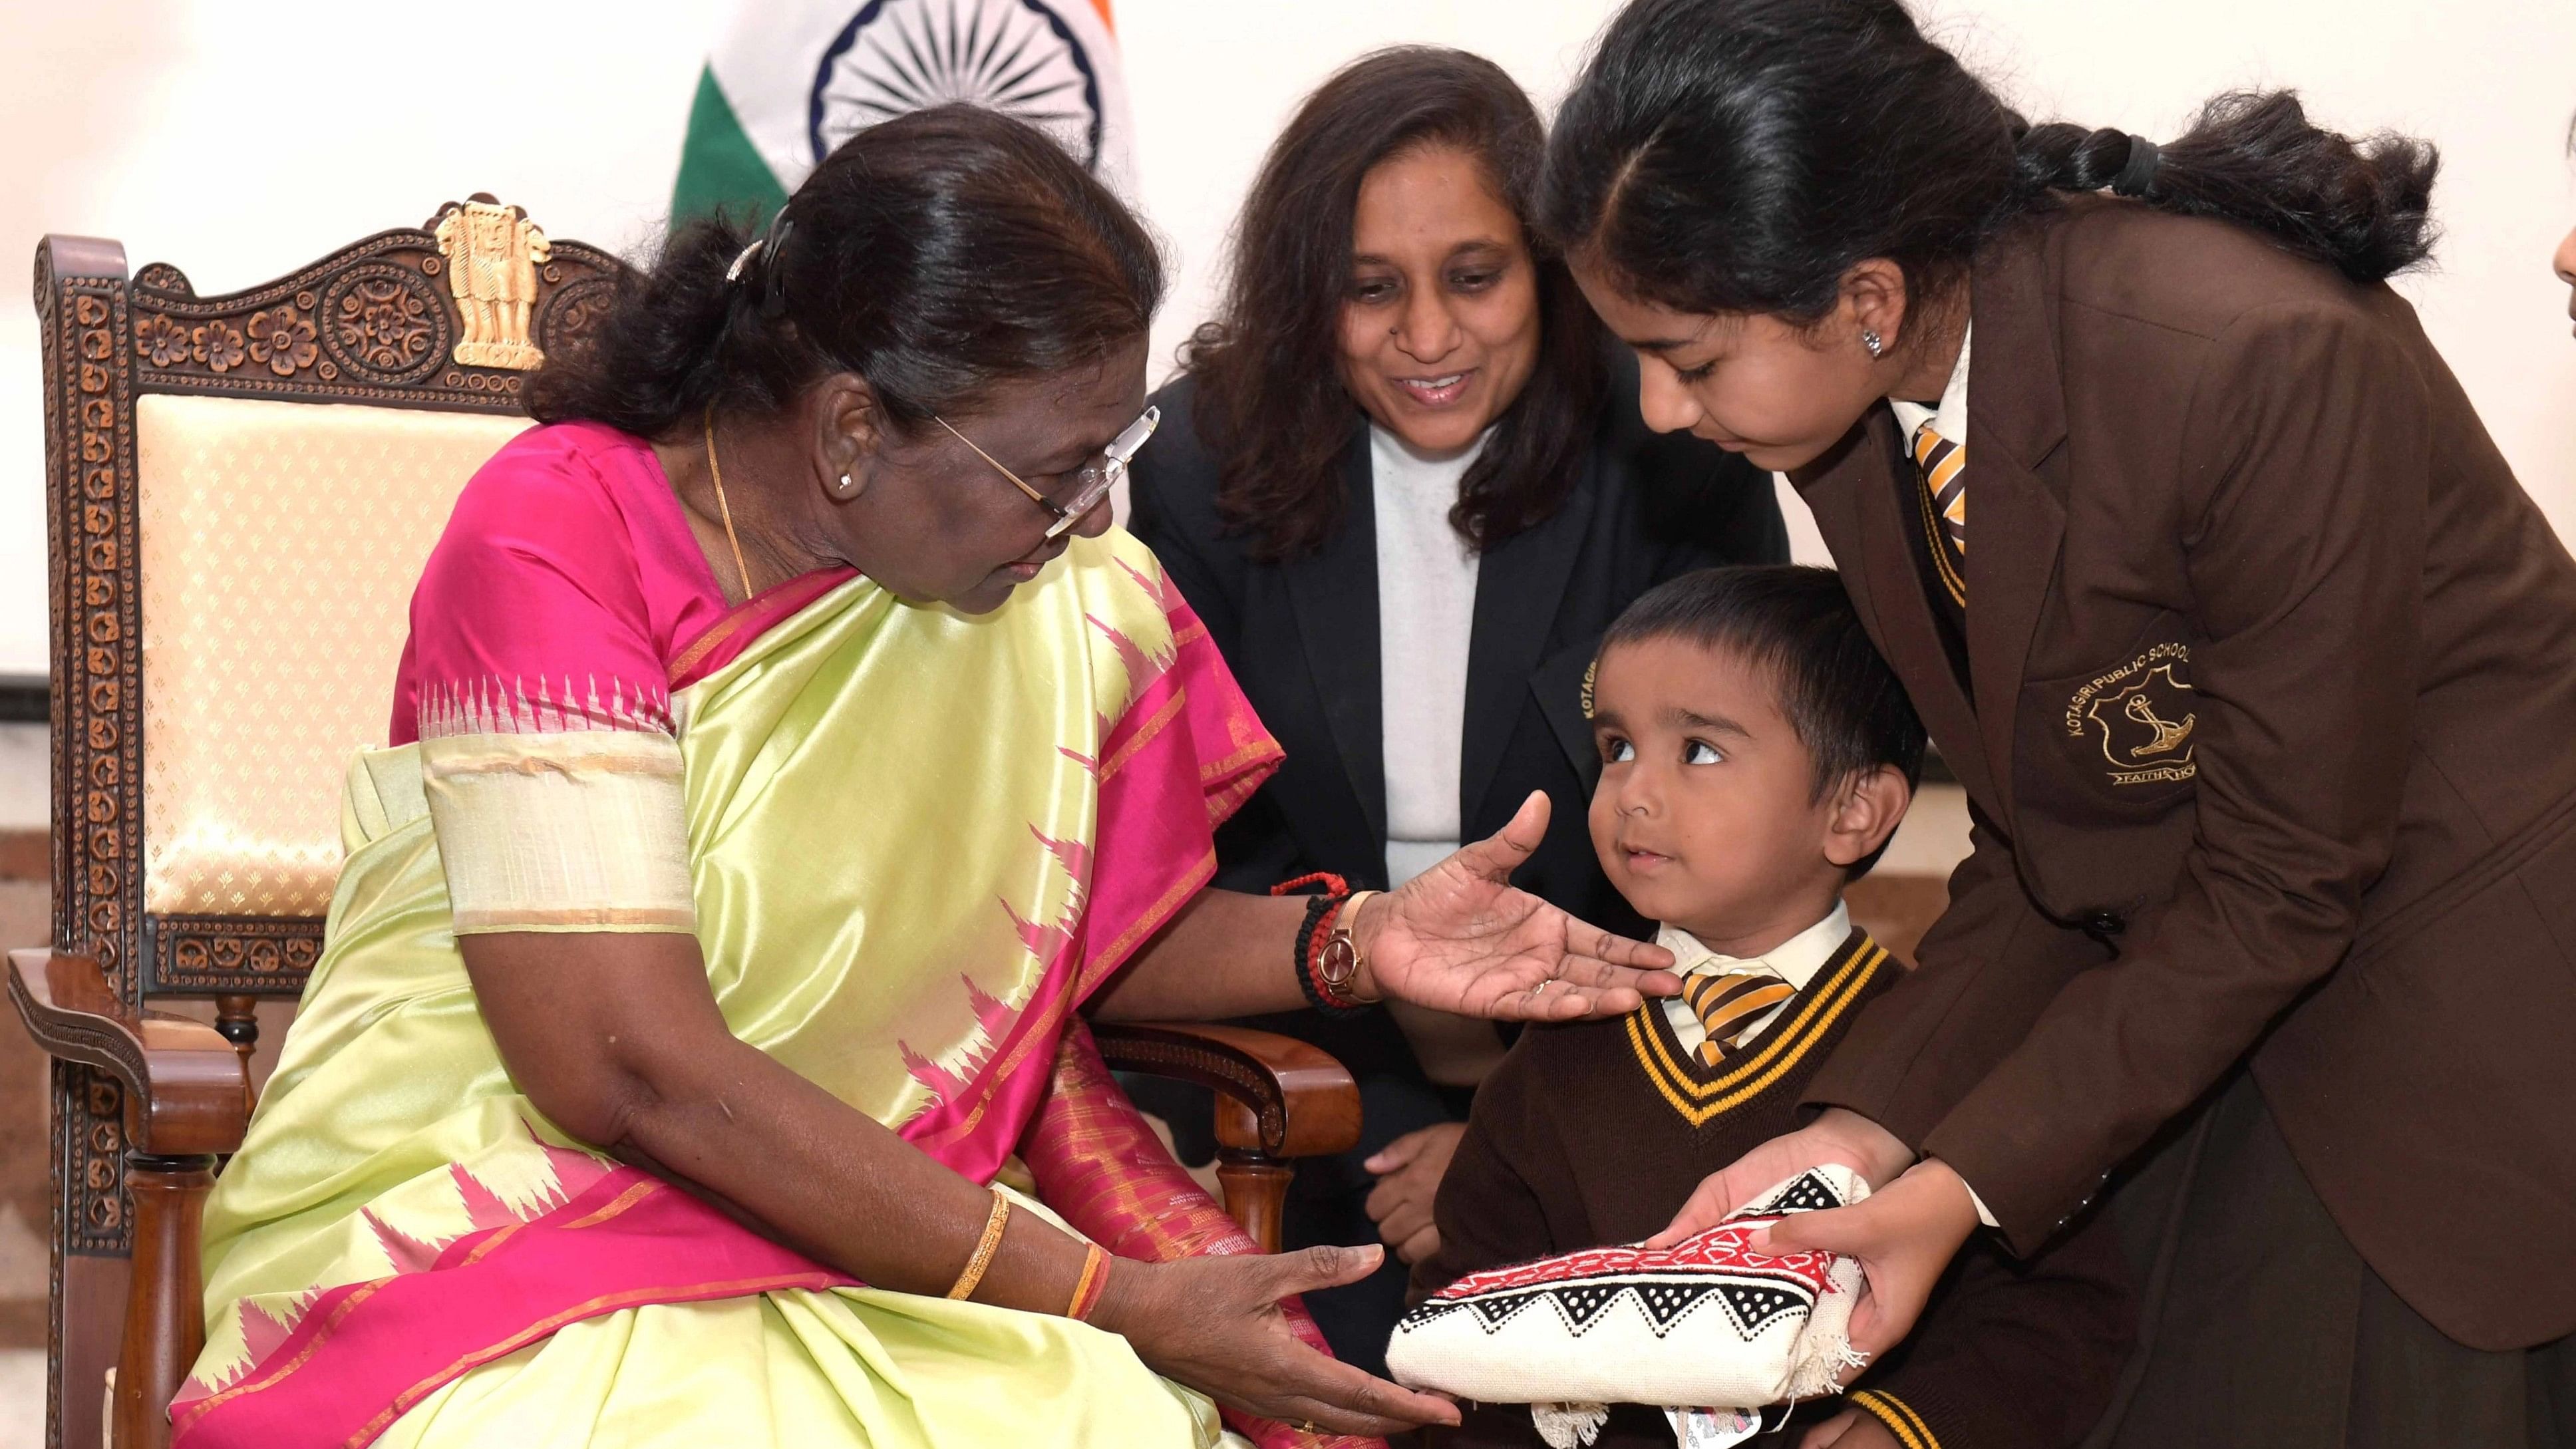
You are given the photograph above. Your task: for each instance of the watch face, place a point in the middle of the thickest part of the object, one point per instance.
(1340, 963)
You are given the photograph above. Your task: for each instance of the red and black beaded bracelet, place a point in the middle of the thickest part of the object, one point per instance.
(1314, 936)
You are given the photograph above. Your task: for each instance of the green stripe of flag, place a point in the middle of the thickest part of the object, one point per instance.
(719, 167)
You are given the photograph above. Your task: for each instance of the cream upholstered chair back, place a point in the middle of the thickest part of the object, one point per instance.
(240, 492)
(280, 542)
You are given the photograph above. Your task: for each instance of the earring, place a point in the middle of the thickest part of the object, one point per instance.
(1870, 340)
(847, 487)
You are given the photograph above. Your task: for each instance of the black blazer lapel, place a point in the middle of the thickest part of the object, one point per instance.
(1520, 583)
(1557, 684)
(1334, 595)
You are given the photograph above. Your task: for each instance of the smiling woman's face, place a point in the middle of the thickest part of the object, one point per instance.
(1440, 323)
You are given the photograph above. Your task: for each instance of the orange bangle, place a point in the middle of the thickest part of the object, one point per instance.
(973, 1272)
(1086, 1292)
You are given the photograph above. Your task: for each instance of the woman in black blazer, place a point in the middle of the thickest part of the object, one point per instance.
(1404, 483)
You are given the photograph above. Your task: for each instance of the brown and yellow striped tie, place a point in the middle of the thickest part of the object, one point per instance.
(1727, 1004)
(1945, 477)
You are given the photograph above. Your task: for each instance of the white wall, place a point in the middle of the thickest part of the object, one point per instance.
(239, 139)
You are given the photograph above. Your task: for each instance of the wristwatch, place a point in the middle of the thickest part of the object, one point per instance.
(1339, 964)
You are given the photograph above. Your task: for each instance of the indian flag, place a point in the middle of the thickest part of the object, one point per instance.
(791, 79)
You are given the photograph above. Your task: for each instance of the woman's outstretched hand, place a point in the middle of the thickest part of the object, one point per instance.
(1459, 938)
(1214, 1324)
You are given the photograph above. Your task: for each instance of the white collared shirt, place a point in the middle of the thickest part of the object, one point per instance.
(1796, 961)
(1950, 419)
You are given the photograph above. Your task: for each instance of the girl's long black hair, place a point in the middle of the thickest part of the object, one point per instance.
(1742, 155)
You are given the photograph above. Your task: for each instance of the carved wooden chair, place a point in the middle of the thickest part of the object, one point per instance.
(240, 490)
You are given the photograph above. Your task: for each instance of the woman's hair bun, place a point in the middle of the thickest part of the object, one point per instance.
(935, 255)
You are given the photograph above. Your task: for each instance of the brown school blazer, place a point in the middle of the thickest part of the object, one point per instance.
(2272, 747)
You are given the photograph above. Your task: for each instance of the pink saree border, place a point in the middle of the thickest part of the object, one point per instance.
(741, 626)
(361, 1355)
(1155, 791)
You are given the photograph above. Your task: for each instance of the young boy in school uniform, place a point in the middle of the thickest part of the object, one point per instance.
(1756, 755)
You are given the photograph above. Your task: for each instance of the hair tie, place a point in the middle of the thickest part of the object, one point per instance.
(2140, 172)
(764, 248)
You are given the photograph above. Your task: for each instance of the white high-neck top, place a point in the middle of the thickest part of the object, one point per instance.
(1426, 612)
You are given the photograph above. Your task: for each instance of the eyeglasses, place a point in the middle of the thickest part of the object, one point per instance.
(1091, 482)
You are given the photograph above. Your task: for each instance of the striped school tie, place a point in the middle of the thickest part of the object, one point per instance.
(1945, 467)
(1728, 1004)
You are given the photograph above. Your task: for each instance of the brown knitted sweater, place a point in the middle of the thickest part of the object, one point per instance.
(1596, 1132)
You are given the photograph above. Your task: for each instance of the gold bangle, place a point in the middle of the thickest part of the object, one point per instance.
(992, 1240)
(1086, 1291)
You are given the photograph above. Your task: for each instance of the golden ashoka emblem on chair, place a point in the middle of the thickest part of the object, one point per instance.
(492, 253)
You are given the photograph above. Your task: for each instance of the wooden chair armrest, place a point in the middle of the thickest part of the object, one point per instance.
(1277, 1099)
(1277, 1096)
(186, 1093)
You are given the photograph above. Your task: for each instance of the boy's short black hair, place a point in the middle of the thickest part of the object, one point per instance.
(1795, 623)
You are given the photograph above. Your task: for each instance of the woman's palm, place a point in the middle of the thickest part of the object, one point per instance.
(1460, 938)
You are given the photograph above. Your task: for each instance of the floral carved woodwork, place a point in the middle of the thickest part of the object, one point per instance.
(385, 321)
(97, 776)
(259, 955)
(282, 337)
(167, 344)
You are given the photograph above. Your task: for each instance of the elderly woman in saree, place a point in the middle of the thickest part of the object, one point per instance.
(788, 757)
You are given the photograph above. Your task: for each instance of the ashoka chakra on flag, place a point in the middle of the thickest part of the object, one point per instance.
(792, 79)
(1018, 57)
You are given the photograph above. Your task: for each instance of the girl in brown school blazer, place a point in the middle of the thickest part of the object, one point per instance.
(2258, 666)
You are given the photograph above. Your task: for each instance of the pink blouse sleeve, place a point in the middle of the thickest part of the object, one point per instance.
(531, 616)
(535, 685)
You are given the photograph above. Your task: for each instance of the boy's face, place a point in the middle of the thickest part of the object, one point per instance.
(1706, 816)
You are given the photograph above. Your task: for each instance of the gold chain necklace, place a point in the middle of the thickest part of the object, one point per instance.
(724, 510)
